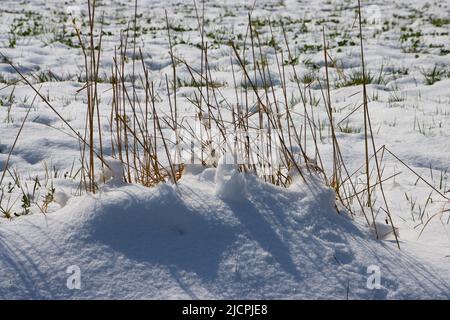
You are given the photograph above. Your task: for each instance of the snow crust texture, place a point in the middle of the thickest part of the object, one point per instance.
(189, 242)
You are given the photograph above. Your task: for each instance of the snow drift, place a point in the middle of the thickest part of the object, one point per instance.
(195, 241)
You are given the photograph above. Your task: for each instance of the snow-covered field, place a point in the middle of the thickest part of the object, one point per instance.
(219, 233)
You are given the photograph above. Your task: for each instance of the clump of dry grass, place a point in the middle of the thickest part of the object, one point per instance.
(258, 128)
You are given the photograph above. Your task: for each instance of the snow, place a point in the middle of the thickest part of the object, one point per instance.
(219, 233)
(231, 185)
(187, 242)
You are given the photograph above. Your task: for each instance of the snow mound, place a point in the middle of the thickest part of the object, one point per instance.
(207, 237)
(230, 183)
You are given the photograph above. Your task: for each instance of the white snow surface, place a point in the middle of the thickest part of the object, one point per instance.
(184, 242)
(220, 234)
